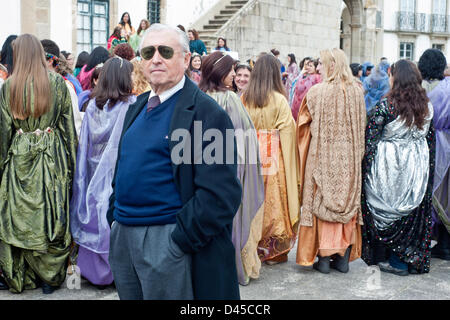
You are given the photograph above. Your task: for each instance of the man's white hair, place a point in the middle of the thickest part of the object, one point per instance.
(183, 38)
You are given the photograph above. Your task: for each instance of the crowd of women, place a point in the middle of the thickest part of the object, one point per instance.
(339, 178)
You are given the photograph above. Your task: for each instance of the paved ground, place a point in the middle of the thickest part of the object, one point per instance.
(290, 281)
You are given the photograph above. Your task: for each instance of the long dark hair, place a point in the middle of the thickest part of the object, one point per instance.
(302, 63)
(264, 80)
(147, 25)
(292, 56)
(7, 54)
(191, 68)
(123, 22)
(114, 83)
(194, 33)
(82, 59)
(116, 32)
(224, 44)
(407, 95)
(97, 56)
(214, 71)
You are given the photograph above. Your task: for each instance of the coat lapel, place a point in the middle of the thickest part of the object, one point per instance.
(134, 110)
(183, 115)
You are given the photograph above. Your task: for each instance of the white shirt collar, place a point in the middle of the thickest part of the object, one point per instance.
(168, 93)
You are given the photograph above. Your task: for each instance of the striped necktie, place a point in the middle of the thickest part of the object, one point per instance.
(153, 103)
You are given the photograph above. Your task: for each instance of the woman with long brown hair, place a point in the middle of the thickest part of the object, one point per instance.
(217, 81)
(398, 177)
(266, 103)
(135, 39)
(96, 160)
(330, 131)
(37, 163)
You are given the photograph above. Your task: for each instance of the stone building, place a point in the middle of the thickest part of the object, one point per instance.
(364, 29)
(412, 26)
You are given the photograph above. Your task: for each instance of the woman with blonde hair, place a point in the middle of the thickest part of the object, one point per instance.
(37, 163)
(266, 103)
(330, 132)
(140, 83)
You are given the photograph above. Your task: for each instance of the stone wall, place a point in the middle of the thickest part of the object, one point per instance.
(35, 18)
(302, 27)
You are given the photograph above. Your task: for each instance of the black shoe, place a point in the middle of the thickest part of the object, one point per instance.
(412, 270)
(437, 252)
(101, 287)
(48, 289)
(341, 263)
(323, 265)
(386, 267)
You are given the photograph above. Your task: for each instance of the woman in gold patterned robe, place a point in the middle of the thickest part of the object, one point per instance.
(330, 133)
(269, 110)
(37, 161)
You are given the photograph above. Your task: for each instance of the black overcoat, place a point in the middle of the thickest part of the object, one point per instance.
(210, 193)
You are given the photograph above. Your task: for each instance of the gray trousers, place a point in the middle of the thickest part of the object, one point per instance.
(148, 265)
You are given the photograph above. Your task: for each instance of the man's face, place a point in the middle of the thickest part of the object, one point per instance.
(163, 73)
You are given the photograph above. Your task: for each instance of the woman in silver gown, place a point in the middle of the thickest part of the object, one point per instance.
(398, 177)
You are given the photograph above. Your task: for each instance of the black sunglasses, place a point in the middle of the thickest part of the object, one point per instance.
(166, 52)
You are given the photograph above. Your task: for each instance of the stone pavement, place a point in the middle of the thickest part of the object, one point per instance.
(289, 281)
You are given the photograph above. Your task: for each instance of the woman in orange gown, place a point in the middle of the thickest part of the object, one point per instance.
(330, 135)
(266, 103)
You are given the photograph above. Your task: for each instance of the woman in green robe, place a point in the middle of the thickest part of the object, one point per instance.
(37, 161)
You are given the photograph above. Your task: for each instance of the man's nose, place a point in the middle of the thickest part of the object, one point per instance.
(157, 57)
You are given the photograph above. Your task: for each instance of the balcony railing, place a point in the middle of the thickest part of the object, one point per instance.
(421, 22)
(439, 23)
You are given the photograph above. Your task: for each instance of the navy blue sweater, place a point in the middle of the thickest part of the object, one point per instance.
(146, 194)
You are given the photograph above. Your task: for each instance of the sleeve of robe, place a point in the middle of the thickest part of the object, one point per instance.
(5, 127)
(66, 124)
(303, 139)
(286, 125)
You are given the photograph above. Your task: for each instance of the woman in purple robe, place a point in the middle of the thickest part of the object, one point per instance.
(292, 72)
(432, 65)
(96, 159)
(217, 82)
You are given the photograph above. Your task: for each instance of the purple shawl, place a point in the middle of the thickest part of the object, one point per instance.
(96, 161)
(440, 98)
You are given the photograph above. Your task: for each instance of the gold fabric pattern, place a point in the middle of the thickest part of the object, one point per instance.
(335, 153)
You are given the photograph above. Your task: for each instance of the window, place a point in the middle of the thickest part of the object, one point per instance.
(440, 7)
(408, 5)
(154, 7)
(407, 50)
(439, 17)
(92, 24)
(440, 47)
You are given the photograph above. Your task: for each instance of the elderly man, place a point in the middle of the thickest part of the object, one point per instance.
(171, 235)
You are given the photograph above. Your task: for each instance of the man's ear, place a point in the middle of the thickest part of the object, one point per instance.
(187, 59)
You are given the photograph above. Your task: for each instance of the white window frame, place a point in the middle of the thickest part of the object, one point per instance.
(403, 52)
